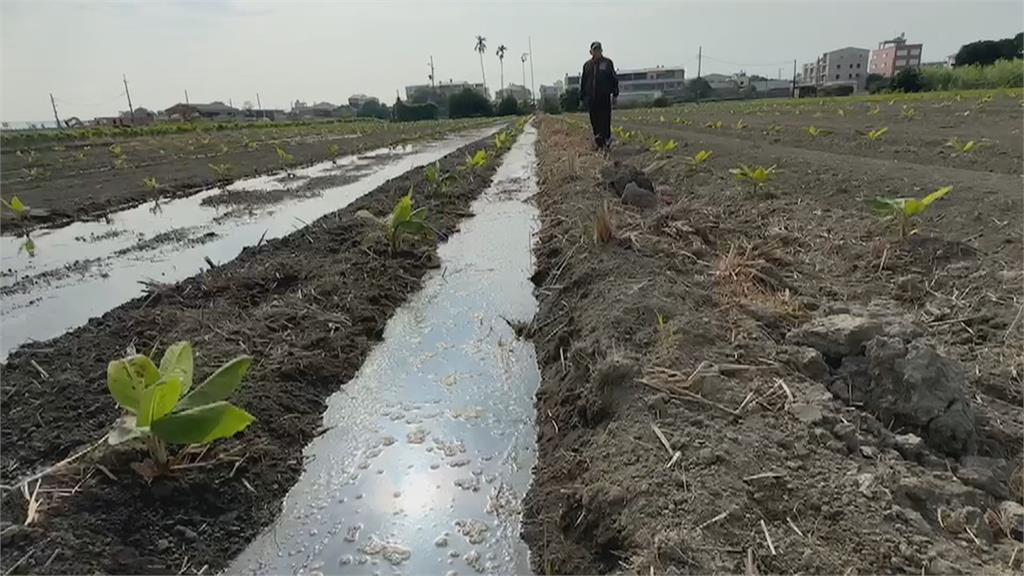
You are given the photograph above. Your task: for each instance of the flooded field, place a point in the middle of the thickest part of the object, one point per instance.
(84, 269)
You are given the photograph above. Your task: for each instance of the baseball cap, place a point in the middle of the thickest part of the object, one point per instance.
(595, 46)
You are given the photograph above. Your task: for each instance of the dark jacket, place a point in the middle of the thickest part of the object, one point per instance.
(598, 82)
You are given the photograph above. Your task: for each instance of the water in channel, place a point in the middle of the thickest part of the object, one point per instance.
(428, 450)
(89, 267)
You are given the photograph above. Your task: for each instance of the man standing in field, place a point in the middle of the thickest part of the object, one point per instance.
(599, 90)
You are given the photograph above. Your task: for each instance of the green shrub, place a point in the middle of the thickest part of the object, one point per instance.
(908, 80)
(1002, 74)
(508, 106)
(414, 112)
(570, 100)
(467, 104)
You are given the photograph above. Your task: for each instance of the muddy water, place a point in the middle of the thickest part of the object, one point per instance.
(85, 269)
(429, 449)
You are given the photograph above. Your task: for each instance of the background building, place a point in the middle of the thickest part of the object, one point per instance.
(425, 92)
(357, 100)
(552, 91)
(645, 83)
(520, 93)
(894, 55)
(843, 67)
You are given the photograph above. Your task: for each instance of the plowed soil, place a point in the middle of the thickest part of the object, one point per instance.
(308, 307)
(684, 325)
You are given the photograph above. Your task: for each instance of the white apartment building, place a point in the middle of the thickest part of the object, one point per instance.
(845, 66)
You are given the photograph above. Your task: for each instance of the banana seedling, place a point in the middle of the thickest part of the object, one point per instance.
(436, 178)
(221, 171)
(877, 133)
(661, 148)
(757, 177)
(699, 159)
(404, 221)
(333, 151)
(903, 210)
(476, 161)
(285, 159)
(874, 110)
(28, 246)
(162, 407)
(150, 184)
(17, 206)
(908, 113)
(815, 132)
(963, 148)
(715, 125)
(502, 140)
(740, 124)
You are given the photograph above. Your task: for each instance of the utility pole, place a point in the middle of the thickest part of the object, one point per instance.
(259, 106)
(523, 60)
(533, 87)
(700, 50)
(131, 111)
(186, 97)
(431, 73)
(794, 78)
(55, 116)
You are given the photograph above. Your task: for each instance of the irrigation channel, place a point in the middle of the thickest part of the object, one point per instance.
(428, 450)
(89, 267)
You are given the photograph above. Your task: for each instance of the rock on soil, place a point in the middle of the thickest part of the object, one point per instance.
(617, 175)
(882, 363)
(639, 197)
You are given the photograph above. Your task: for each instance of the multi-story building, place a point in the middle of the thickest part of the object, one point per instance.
(444, 89)
(357, 100)
(552, 91)
(894, 55)
(645, 83)
(520, 93)
(845, 66)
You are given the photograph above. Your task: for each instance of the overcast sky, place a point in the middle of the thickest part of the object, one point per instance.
(312, 51)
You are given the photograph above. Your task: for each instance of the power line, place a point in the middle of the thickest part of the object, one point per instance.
(744, 65)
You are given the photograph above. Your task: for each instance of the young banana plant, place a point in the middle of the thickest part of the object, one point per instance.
(964, 148)
(150, 183)
(221, 171)
(661, 148)
(757, 177)
(877, 133)
(903, 210)
(404, 221)
(699, 159)
(162, 407)
(17, 206)
(815, 132)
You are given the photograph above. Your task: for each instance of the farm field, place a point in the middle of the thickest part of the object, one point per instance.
(67, 179)
(308, 306)
(743, 366)
(751, 379)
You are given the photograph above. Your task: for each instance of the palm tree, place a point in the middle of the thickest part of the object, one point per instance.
(481, 47)
(501, 64)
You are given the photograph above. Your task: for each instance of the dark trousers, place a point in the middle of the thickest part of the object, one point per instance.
(601, 120)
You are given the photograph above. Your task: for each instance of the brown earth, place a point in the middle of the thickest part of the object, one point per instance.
(775, 340)
(922, 138)
(308, 307)
(66, 181)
